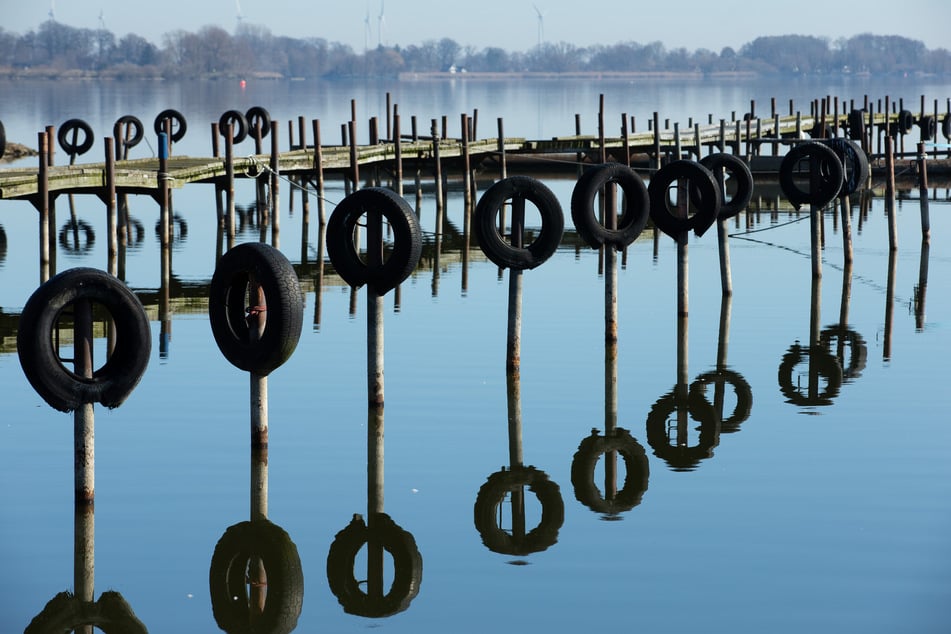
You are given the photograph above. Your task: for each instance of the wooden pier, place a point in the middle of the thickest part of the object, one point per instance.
(750, 138)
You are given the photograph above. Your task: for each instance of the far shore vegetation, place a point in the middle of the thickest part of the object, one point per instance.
(55, 51)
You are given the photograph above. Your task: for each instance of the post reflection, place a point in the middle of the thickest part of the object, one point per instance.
(375, 536)
(812, 375)
(615, 441)
(255, 579)
(809, 376)
(510, 483)
(669, 431)
(76, 610)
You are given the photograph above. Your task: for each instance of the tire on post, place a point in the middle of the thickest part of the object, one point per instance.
(68, 137)
(522, 188)
(825, 172)
(259, 121)
(179, 124)
(246, 265)
(238, 122)
(635, 213)
(855, 168)
(738, 172)
(705, 195)
(59, 386)
(407, 239)
(125, 125)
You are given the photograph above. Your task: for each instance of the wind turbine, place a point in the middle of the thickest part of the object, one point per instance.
(239, 16)
(366, 30)
(52, 12)
(541, 25)
(380, 22)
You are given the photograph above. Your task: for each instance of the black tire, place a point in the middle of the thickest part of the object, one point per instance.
(826, 366)
(258, 118)
(855, 168)
(76, 228)
(179, 124)
(228, 307)
(741, 389)
(738, 173)
(945, 128)
(407, 567)
(929, 127)
(227, 579)
(60, 387)
(857, 124)
(407, 239)
(636, 476)
(65, 613)
(829, 177)
(486, 230)
(707, 196)
(3, 140)
(68, 137)
(905, 121)
(492, 494)
(126, 124)
(682, 457)
(636, 206)
(3, 244)
(836, 339)
(239, 125)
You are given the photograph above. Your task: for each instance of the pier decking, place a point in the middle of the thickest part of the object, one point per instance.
(142, 176)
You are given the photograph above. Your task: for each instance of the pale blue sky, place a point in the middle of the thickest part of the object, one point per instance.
(509, 24)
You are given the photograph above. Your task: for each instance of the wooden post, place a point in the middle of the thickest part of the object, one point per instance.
(845, 207)
(513, 360)
(923, 193)
(229, 184)
(109, 196)
(501, 147)
(397, 150)
(354, 164)
(890, 196)
(164, 142)
(438, 169)
(319, 172)
(374, 313)
(275, 189)
(464, 133)
(43, 204)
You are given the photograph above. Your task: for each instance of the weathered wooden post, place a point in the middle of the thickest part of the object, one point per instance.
(275, 189)
(922, 165)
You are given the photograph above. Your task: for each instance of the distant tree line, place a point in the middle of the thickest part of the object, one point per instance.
(55, 49)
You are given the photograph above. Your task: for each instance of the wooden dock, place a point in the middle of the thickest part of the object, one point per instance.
(750, 138)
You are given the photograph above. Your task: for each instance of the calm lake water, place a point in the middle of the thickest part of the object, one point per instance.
(794, 513)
